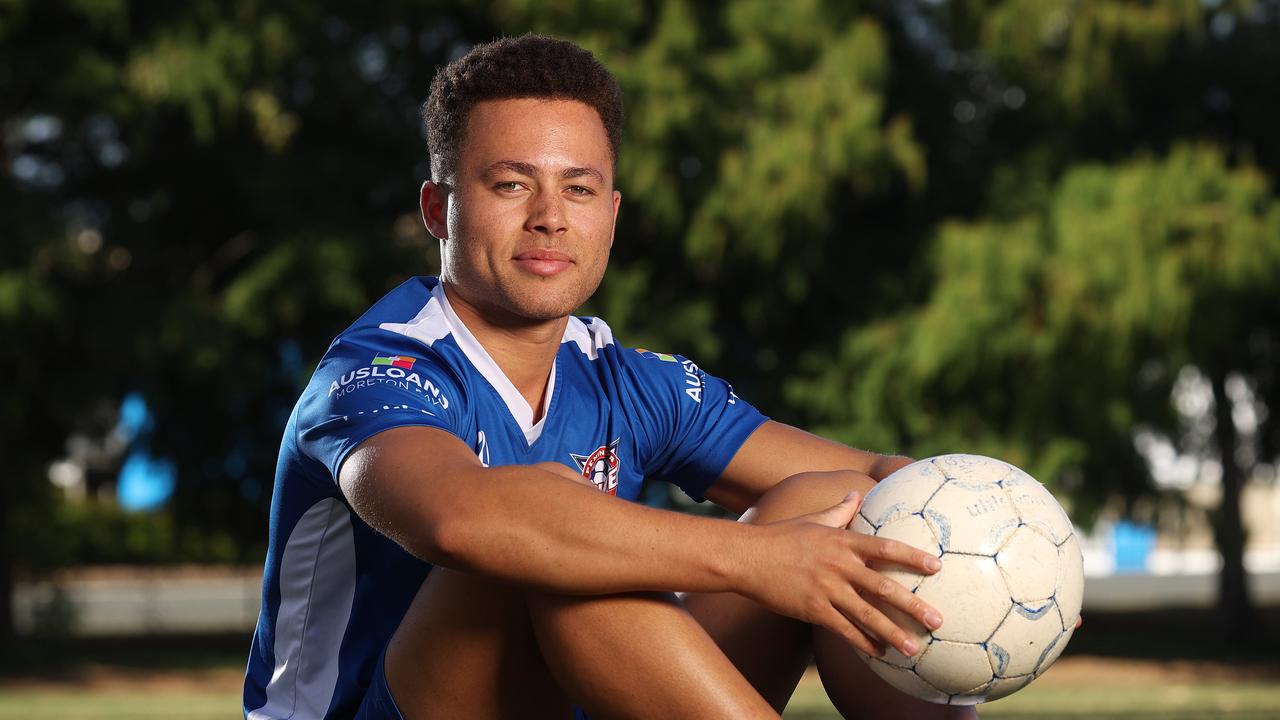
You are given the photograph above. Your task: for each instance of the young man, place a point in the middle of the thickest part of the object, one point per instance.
(450, 531)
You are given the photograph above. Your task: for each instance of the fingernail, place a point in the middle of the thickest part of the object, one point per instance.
(933, 564)
(910, 647)
(933, 620)
(851, 497)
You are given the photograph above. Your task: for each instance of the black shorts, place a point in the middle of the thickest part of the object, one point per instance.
(378, 703)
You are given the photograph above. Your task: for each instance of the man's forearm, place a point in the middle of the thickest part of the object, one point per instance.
(533, 528)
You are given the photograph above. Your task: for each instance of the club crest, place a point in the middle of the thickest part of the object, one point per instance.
(600, 467)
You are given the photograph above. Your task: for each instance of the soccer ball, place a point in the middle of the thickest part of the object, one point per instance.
(1010, 586)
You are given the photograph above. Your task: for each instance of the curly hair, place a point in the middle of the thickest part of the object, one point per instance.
(528, 66)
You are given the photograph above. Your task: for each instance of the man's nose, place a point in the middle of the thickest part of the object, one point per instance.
(546, 213)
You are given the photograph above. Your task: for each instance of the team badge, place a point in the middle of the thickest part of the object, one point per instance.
(600, 467)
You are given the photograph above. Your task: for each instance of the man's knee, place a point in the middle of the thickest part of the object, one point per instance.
(806, 493)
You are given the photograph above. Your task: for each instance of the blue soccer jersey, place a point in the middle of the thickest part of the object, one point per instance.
(334, 589)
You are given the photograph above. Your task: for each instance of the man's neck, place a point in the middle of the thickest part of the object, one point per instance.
(523, 349)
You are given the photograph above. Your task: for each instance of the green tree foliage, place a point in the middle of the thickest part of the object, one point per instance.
(990, 225)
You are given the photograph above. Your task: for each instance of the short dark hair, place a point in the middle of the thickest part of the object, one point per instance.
(528, 66)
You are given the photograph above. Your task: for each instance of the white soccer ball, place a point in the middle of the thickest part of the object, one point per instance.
(1010, 586)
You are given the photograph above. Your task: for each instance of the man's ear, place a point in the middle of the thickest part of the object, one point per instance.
(434, 202)
(617, 202)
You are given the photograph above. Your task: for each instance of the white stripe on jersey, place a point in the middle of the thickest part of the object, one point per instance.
(436, 320)
(317, 587)
(589, 338)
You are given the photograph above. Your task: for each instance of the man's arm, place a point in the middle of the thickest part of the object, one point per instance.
(521, 524)
(776, 451)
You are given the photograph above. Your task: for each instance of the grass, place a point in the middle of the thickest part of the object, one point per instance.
(1078, 701)
(117, 705)
(1179, 701)
(1123, 667)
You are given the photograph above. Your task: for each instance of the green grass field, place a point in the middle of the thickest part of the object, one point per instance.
(1180, 702)
(1127, 667)
(1100, 693)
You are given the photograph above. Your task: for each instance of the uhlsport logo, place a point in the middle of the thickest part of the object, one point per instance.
(600, 467)
(395, 370)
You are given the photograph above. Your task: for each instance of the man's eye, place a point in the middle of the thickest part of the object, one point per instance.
(580, 190)
(507, 186)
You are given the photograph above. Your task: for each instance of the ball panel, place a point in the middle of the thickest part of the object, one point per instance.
(954, 668)
(971, 518)
(904, 492)
(1037, 507)
(1070, 591)
(1050, 654)
(907, 681)
(1019, 643)
(970, 697)
(971, 594)
(1029, 563)
(972, 469)
(861, 525)
(1001, 687)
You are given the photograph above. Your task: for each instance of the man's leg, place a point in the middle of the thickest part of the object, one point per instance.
(478, 649)
(772, 651)
(466, 649)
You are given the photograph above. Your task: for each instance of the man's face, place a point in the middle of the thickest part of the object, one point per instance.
(528, 223)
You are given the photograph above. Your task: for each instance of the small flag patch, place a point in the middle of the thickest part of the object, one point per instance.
(661, 356)
(399, 361)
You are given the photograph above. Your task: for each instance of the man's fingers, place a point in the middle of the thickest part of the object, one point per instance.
(884, 590)
(884, 550)
(852, 634)
(869, 619)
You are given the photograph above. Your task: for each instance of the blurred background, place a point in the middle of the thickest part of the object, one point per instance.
(1043, 230)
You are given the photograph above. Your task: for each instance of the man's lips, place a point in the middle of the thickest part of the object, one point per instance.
(543, 262)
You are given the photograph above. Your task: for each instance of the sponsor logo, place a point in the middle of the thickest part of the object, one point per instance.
(399, 361)
(395, 370)
(600, 467)
(693, 375)
(657, 355)
(693, 378)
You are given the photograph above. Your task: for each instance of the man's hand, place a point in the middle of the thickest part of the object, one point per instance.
(814, 569)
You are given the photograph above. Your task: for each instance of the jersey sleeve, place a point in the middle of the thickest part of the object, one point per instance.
(370, 382)
(688, 424)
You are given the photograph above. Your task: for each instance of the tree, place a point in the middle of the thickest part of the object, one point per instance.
(201, 195)
(1048, 339)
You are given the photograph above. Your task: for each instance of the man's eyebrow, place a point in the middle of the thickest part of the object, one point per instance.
(515, 166)
(577, 172)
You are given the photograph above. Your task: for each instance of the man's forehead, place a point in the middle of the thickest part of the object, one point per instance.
(537, 131)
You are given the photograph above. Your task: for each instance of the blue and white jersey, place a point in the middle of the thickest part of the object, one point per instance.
(334, 590)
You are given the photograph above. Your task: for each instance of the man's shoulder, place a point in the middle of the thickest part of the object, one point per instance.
(638, 369)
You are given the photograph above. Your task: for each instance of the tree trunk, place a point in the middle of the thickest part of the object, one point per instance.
(1235, 608)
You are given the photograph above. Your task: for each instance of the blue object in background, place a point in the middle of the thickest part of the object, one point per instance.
(135, 416)
(145, 482)
(1133, 544)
